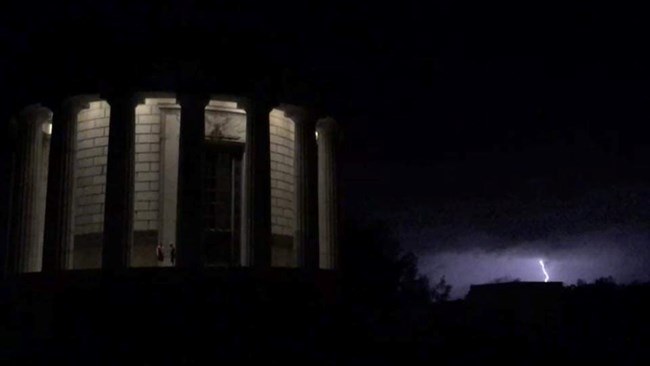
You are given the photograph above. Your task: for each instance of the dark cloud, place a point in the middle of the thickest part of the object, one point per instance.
(508, 221)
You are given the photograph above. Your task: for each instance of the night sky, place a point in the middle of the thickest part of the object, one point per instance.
(489, 135)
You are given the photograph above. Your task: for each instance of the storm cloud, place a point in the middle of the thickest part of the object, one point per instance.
(602, 233)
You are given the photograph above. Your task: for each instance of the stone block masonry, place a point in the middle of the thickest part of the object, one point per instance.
(90, 184)
(282, 190)
(147, 194)
(282, 175)
(147, 168)
(90, 177)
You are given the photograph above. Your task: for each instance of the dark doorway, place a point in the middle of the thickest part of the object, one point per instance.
(222, 203)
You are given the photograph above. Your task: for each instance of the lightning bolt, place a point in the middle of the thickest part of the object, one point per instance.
(541, 263)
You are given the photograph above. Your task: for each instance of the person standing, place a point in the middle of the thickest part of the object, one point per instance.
(172, 253)
(160, 255)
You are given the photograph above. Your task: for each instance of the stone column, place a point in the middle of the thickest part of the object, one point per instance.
(24, 232)
(256, 213)
(36, 253)
(189, 229)
(118, 206)
(60, 185)
(306, 174)
(328, 205)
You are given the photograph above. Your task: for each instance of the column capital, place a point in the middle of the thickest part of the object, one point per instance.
(329, 128)
(193, 99)
(262, 105)
(73, 103)
(261, 98)
(33, 115)
(123, 98)
(328, 124)
(299, 114)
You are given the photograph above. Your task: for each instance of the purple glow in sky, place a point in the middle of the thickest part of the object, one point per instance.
(622, 254)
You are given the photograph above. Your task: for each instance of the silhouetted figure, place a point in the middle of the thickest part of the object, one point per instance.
(160, 255)
(172, 253)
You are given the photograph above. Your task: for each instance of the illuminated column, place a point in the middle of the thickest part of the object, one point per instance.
(328, 210)
(60, 185)
(189, 232)
(118, 207)
(256, 213)
(306, 230)
(24, 232)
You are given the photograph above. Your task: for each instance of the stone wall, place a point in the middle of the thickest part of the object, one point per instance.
(147, 167)
(282, 190)
(153, 217)
(146, 185)
(90, 184)
(170, 131)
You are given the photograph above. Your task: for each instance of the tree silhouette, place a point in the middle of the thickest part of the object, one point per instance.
(605, 281)
(376, 268)
(440, 292)
(386, 298)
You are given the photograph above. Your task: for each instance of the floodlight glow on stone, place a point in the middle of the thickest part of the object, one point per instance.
(47, 128)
